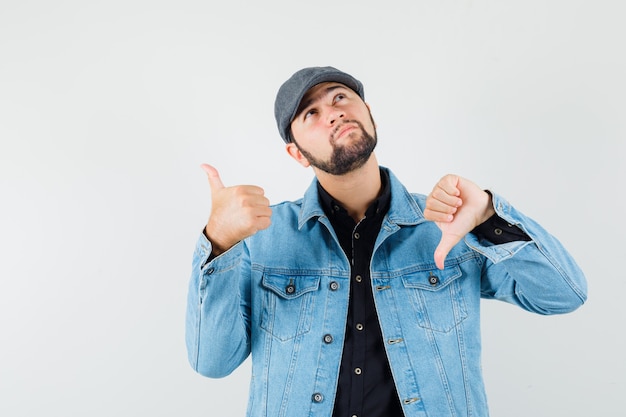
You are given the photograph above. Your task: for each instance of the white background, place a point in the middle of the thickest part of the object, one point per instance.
(107, 109)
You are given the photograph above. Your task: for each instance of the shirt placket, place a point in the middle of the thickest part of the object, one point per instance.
(360, 283)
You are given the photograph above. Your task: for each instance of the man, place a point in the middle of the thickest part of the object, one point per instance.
(360, 299)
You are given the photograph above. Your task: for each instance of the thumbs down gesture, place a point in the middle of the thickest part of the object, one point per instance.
(457, 206)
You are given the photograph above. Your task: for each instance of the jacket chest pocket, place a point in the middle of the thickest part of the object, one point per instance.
(288, 301)
(437, 298)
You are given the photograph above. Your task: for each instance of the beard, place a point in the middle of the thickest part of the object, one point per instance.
(348, 157)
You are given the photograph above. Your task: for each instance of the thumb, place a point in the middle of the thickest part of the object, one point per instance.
(215, 181)
(446, 243)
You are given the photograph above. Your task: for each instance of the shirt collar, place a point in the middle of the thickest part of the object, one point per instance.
(378, 207)
(405, 209)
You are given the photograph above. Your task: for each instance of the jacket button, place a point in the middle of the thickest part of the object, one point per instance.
(317, 397)
(328, 339)
(434, 280)
(290, 289)
(334, 286)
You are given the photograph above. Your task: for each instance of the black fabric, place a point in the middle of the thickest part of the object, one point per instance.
(498, 231)
(371, 391)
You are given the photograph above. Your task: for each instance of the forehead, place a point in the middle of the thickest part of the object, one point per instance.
(320, 90)
(317, 92)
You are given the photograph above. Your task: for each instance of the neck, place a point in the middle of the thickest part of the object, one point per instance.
(356, 190)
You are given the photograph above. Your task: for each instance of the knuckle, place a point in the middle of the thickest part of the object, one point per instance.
(238, 191)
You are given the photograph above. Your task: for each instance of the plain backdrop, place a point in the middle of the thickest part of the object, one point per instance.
(107, 109)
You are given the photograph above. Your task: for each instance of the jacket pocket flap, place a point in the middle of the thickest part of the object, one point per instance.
(431, 280)
(290, 286)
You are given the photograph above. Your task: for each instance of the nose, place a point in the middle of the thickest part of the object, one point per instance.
(334, 115)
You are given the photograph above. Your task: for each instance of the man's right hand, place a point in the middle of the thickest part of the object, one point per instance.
(236, 212)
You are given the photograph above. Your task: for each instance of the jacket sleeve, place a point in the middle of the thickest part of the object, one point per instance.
(538, 275)
(218, 310)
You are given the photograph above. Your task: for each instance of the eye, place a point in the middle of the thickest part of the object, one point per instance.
(339, 97)
(309, 113)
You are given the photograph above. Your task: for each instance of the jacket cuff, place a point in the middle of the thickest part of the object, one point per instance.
(496, 249)
(203, 257)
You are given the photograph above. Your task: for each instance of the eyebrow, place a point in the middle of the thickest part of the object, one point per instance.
(307, 101)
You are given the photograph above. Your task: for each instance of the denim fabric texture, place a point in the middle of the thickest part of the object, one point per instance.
(279, 293)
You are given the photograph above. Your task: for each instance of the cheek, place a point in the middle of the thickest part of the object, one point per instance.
(311, 135)
(299, 132)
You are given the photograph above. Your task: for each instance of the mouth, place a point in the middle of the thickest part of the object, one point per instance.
(343, 130)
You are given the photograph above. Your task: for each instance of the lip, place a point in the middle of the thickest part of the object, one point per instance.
(345, 129)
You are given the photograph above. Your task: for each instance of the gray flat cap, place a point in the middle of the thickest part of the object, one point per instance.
(291, 92)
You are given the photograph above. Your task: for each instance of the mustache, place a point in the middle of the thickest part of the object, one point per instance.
(342, 124)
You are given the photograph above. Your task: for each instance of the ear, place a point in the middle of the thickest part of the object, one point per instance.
(295, 153)
(370, 110)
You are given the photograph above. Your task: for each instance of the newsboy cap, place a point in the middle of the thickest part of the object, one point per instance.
(291, 92)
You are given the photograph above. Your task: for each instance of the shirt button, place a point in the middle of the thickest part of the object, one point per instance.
(334, 286)
(317, 397)
(328, 339)
(498, 231)
(358, 278)
(357, 235)
(359, 326)
(358, 371)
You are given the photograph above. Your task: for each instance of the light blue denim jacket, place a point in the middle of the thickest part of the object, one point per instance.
(277, 294)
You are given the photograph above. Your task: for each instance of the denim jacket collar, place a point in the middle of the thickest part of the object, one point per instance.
(403, 210)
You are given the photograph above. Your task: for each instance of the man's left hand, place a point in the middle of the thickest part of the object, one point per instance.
(457, 206)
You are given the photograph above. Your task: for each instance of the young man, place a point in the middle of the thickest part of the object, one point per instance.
(360, 299)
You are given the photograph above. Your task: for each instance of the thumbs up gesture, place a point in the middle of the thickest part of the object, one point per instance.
(457, 206)
(236, 212)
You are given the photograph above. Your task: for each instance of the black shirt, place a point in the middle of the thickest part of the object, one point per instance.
(366, 387)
